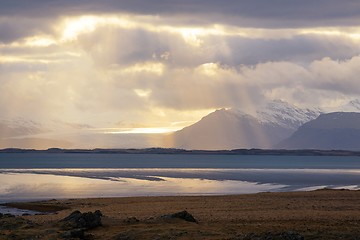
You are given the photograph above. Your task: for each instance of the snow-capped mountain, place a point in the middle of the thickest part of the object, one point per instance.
(285, 115)
(222, 129)
(233, 128)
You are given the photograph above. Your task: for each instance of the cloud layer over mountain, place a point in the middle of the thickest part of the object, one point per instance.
(165, 64)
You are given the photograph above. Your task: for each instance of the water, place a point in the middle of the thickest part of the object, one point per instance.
(79, 160)
(35, 176)
(17, 212)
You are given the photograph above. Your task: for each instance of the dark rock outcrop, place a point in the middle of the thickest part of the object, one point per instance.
(10, 222)
(75, 233)
(132, 220)
(87, 220)
(184, 215)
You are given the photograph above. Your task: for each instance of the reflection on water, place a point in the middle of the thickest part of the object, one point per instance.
(26, 184)
(15, 186)
(44, 175)
(16, 211)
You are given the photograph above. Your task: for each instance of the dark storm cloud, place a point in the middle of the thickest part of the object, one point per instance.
(299, 48)
(13, 29)
(254, 13)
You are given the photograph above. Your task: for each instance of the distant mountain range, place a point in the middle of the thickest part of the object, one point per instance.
(23, 133)
(339, 130)
(28, 134)
(274, 126)
(19, 127)
(277, 125)
(232, 128)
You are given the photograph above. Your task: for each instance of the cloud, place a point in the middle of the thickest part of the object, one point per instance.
(158, 63)
(337, 76)
(192, 47)
(256, 13)
(320, 83)
(12, 28)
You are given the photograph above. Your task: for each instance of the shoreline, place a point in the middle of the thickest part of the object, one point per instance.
(55, 205)
(170, 151)
(325, 214)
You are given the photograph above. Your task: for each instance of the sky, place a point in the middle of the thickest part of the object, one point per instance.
(157, 66)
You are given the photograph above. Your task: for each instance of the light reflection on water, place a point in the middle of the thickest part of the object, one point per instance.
(26, 184)
(15, 186)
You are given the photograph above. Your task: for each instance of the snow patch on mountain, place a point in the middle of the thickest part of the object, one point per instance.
(286, 115)
(283, 114)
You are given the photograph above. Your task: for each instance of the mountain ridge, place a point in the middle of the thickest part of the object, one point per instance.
(233, 128)
(338, 130)
(265, 128)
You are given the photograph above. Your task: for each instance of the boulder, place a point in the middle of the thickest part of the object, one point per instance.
(184, 215)
(75, 233)
(87, 220)
(132, 220)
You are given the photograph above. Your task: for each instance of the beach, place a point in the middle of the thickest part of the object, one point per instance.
(320, 214)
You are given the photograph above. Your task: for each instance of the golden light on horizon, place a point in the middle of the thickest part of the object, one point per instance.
(150, 130)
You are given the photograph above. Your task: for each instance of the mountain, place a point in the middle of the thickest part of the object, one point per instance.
(339, 130)
(18, 127)
(222, 129)
(232, 128)
(286, 115)
(22, 133)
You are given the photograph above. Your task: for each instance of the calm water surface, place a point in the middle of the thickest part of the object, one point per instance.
(78, 160)
(29, 176)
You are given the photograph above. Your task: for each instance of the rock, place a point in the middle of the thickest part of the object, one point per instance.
(12, 223)
(87, 220)
(132, 220)
(181, 215)
(76, 233)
